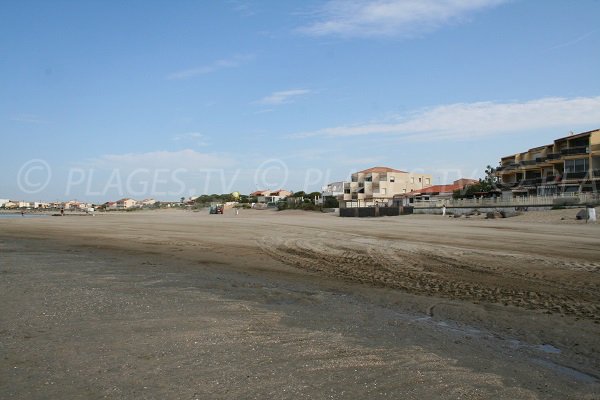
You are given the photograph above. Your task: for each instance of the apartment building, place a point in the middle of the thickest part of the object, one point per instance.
(378, 185)
(126, 203)
(569, 165)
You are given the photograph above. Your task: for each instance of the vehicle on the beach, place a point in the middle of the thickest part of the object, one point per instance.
(216, 210)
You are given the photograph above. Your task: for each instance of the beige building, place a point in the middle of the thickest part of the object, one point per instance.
(378, 185)
(569, 165)
(126, 203)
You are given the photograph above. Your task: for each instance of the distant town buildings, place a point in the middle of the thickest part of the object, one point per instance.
(379, 185)
(569, 165)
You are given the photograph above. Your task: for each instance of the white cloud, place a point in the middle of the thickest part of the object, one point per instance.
(282, 97)
(464, 120)
(242, 8)
(233, 62)
(29, 119)
(196, 137)
(574, 41)
(403, 18)
(266, 110)
(187, 159)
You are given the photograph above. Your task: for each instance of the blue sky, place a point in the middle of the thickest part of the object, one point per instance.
(102, 100)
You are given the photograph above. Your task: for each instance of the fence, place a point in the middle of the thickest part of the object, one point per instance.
(375, 211)
(525, 201)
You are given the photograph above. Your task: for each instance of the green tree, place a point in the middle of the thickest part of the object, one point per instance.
(299, 194)
(490, 181)
(487, 184)
(330, 202)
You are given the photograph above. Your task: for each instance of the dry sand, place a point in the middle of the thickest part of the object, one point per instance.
(266, 304)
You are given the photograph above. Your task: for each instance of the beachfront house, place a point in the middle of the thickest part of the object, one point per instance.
(270, 196)
(147, 202)
(377, 186)
(333, 189)
(434, 195)
(571, 164)
(11, 204)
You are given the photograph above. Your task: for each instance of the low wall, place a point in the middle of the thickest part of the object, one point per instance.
(467, 210)
(362, 212)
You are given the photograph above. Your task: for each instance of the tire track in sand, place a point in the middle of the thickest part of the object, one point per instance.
(474, 276)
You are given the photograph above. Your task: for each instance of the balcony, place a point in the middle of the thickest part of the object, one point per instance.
(576, 175)
(575, 150)
(528, 162)
(507, 185)
(553, 156)
(540, 159)
(529, 182)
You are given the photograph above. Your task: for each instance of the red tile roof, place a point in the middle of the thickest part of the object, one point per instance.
(440, 189)
(449, 188)
(380, 169)
(277, 192)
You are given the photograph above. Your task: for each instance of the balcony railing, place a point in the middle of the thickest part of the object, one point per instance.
(553, 156)
(576, 175)
(528, 162)
(540, 159)
(575, 150)
(530, 182)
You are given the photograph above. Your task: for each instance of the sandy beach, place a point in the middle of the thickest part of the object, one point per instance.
(267, 304)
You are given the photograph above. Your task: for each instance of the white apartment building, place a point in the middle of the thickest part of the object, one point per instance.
(379, 185)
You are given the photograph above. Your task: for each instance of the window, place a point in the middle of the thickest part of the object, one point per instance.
(392, 179)
(419, 179)
(427, 181)
(580, 165)
(412, 179)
